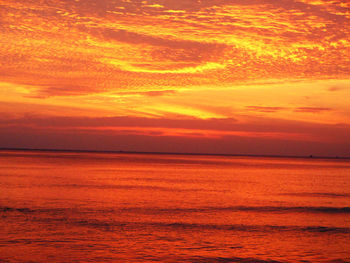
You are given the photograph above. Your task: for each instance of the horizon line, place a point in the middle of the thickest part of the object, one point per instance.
(311, 156)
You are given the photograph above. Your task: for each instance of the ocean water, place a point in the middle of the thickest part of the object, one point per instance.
(103, 207)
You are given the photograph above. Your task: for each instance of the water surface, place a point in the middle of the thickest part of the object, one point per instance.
(103, 207)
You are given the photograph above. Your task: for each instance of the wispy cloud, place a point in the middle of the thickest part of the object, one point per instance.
(264, 109)
(312, 109)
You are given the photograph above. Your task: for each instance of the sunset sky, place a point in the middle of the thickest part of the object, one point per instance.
(210, 76)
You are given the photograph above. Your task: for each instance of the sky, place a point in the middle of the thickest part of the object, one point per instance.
(192, 76)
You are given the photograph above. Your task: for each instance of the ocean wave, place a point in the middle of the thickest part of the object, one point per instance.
(258, 228)
(327, 195)
(108, 226)
(13, 209)
(298, 209)
(202, 259)
(259, 209)
(134, 187)
(61, 215)
(159, 210)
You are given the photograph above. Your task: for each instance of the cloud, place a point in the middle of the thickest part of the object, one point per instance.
(60, 90)
(67, 133)
(164, 69)
(125, 121)
(253, 127)
(298, 109)
(336, 88)
(131, 37)
(264, 109)
(119, 44)
(312, 109)
(151, 93)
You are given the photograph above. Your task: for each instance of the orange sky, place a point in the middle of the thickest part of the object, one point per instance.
(217, 76)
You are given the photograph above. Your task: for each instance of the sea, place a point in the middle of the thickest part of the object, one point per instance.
(58, 206)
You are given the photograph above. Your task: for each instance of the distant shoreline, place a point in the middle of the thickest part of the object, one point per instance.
(175, 153)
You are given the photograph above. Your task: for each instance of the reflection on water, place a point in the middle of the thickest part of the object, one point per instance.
(98, 207)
